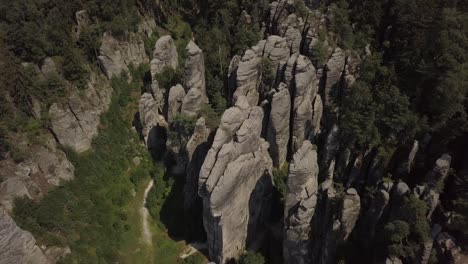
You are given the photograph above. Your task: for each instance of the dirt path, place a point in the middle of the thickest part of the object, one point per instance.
(145, 216)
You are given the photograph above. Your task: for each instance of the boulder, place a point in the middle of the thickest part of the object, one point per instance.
(278, 125)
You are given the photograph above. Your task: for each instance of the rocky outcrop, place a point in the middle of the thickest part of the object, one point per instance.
(235, 182)
(334, 70)
(17, 245)
(194, 80)
(115, 56)
(278, 125)
(196, 147)
(276, 49)
(305, 89)
(300, 204)
(150, 117)
(174, 101)
(47, 167)
(248, 78)
(349, 212)
(164, 55)
(76, 121)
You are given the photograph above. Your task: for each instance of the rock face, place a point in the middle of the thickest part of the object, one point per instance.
(278, 125)
(115, 56)
(17, 245)
(174, 102)
(248, 78)
(235, 182)
(164, 55)
(349, 212)
(305, 89)
(276, 49)
(196, 150)
(150, 117)
(334, 70)
(75, 122)
(32, 178)
(300, 204)
(194, 80)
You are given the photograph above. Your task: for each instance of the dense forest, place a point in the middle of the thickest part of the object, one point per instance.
(412, 84)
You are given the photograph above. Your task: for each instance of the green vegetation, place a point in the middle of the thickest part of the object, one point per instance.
(251, 258)
(280, 180)
(170, 77)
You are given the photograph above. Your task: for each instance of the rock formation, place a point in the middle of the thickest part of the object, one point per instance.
(164, 55)
(247, 77)
(115, 56)
(305, 89)
(150, 117)
(300, 204)
(194, 80)
(47, 167)
(174, 102)
(334, 71)
(76, 121)
(278, 125)
(235, 181)
(276, 49)
(17, 245)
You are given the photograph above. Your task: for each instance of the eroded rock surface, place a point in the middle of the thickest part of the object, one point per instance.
(300, 204)
(17, 245)
(164, 55)
(247, 78)
(278, 125)
(115, 56)
(235, 182)
(194, 80)
(76, 121)
(175, 100)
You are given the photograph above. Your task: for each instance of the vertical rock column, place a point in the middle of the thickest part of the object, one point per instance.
(278, 125)
(235, 182)
(300, 204)
(194, 80)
